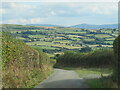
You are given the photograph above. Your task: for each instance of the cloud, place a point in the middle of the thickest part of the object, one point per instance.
(52, 13)
(94, 8)
(23, 13)
(2, 11)
(61, 0)
(15, 5)
(24, 21)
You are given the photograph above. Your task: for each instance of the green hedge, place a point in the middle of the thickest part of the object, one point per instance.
(116, 46)
(98, 58)
(22, 66)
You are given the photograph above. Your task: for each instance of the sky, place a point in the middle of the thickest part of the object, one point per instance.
(59, 13)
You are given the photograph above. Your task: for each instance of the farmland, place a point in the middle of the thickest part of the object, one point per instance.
(65, 47)
(58, 39)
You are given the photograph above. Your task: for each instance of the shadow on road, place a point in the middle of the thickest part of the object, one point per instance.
(70, 83)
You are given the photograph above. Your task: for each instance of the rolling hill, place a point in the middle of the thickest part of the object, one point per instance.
(89, 26)
(84, 26)
(56, 39)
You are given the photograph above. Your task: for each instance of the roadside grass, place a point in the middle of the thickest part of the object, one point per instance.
(93, 71)
(83, 72)
(38, 76)
(103, 82)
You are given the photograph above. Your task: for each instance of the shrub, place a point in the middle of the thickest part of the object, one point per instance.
(22, 66)
(116, 46)
(98, 58)
(86, 49)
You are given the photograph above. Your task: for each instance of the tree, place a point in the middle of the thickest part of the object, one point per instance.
(86, 49)
(57, 55)
(24, 36)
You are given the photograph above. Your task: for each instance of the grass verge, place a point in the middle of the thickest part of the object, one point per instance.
(103, 82)
(83, 72)
(39, 77)
(93, 77)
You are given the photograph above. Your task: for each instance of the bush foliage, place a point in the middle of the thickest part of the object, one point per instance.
(116, 46)
(98, 58)
(22, 65)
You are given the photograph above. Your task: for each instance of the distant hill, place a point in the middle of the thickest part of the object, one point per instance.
(89, 26)
(85, 26)
(47, 25)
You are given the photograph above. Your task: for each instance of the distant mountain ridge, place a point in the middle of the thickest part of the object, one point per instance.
(84, 26)
(89, 26)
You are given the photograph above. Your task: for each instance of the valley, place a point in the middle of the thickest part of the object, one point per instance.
(58, 39)
(70, 48)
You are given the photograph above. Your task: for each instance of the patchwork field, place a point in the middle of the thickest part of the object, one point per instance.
(57, 39)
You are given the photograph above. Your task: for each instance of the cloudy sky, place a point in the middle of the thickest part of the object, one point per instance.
(60, 13)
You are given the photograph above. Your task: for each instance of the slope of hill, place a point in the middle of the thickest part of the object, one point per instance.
(23, 67)
(57, 39)
(88, 26)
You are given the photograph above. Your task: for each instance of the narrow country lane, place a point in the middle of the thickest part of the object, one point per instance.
(63, 79)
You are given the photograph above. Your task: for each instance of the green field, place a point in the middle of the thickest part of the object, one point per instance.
(89, 39)
(76, 47)
(64, 38)
(37, 36)
(102, 36)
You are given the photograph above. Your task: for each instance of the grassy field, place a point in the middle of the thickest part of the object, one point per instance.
(89, 39)
(65, 37)
(40, 43)
(111, 39)
(110, 42)
(102, 36)
(66, 46)
(55, 40)
(62, 41)
(37, 36)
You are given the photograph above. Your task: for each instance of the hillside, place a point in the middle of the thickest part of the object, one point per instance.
(23, 67)
(84, 26)
(59, 39)
(89, 26)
